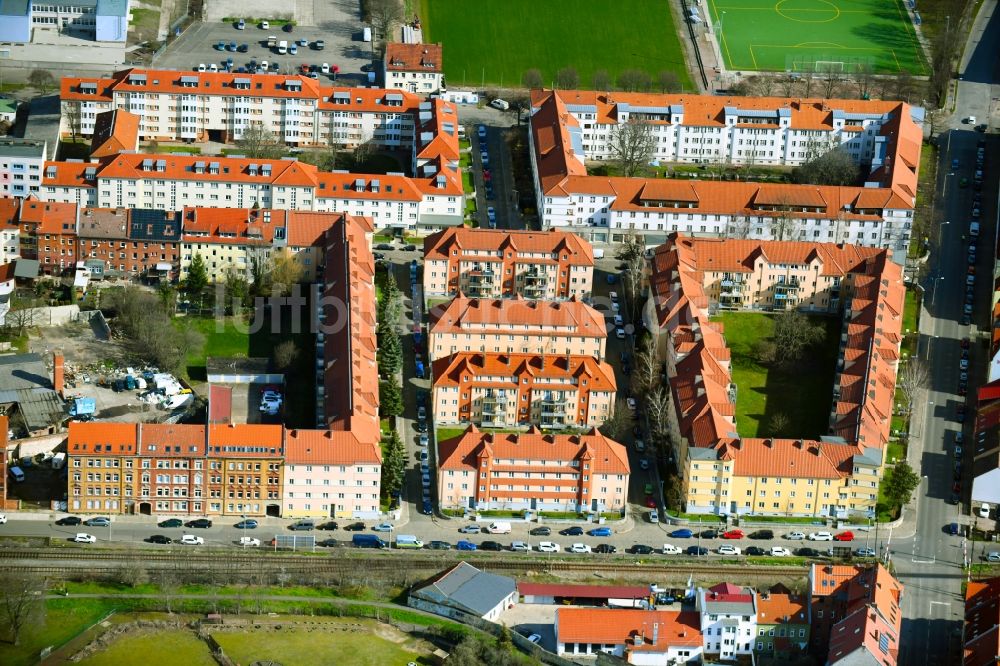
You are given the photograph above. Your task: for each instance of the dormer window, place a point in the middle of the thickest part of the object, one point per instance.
(252, 169)
(213, 167)
(147, 165)
(241, 83)
(199, 167)
(293, 85)
(189, 81)
(88, 88)
(161, 165)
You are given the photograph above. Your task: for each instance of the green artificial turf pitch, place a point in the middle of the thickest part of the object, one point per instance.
(493, 42)
(817, 35)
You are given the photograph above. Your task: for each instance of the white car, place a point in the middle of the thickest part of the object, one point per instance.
(264, 25)
(192, 540)
(201, 67)
(325, 68)
(613, 295)
(821, 536)
(619, 321)
(3, 518)
(796, 536)
(83, 537)
(213, 67)
(780, 551)
(614, 306)
(984, 509)
(579, 548)
(971, 120)
(631, 403)
(548, 547)
(671, 549)
(271, 395)
(620, 333)
(248, 541)
(728, 550)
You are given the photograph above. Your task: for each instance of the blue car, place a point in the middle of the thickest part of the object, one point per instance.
(465, 545)
(682, 534)
(248, 524)
(427, 508)
(600, 532)
(482, 131)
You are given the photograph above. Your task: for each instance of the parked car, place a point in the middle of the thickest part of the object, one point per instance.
(494, 546)
(470, 529)
(540, 531)
(640, 549)
(328, 543)
(302, 526)
(83, 537)
(762, 534)
(605, 549)
(728, 550)
(249, 541)
(76, 520)
(160, 538)
(548, 547)
(807, 552)
(821, 536)
(581, 548)
(355, 527)
(202, 523)
(98, 521)
(682, 533)
(572, 531)
(171, 522)
(844, 536)
(696, 551)
(192, 540)
(755, 551)
(864, 552)
(439, 545)
(780, 551)
(249, 524)
(465, 545)
(600, 532)
(520, 547)
(733, 534)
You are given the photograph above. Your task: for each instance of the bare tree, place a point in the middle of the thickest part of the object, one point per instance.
(42, 80)
(601, 80)
(618, 424)
(20, 602)
(794, 334)
(20, 319)
(783, 225)
(259, 142)
(71, 110)
(631, 80)
(383, 15)
(808, 80)
(763, 84)
(567, 78)
(532, 79)
(913, 378)
(668, 81)
(778, 424)
(284, 271)
(828, 167)
(363, 152)
(285, 354)
(787, 83)
(632, 145)
(831, 79)
(864, 79)
(517, 104)
(646, 373)
(132, 572)
(631, 252)
(658, 412)
(739, 226)
(902, 86)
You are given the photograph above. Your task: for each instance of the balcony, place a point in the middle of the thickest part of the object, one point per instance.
(553, 408)
(787, 288)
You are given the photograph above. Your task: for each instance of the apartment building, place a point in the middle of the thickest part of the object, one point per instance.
(981, 628)
(689, 275)
(783, 629)
(230, 239)
(571, 129)
(115, 132)
(129, 243)
(506, 390)
(855, 613)
(305, 238)
(436, 142)
(331, 474)
(10, 231)
(21, 162)
(393, 201)
(484, 263)
(416, 68)
(532, 471)
(636, 636)
(728, 621)
(209, 106)
(48, 234)
(516, 325)
(822, 478)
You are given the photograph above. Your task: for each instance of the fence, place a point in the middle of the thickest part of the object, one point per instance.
(694, 44)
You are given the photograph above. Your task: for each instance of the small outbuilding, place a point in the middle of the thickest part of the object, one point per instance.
(464, 590)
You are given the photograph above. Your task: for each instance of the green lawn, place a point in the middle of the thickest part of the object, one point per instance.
(496, 42)
(911, 310)
(180, 647)
(803, 393)
(303, 647)
(63, 619)
(448, 433)
(795, 34)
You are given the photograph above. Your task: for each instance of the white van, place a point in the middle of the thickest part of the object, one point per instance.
(499, 527)
(500, 104)
(408, 541)
(366, 35)
(282, 47)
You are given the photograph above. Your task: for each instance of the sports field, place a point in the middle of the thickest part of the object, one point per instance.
(493, 42)
(817, 35)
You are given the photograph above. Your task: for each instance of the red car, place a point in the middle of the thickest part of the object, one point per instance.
(733, 534)
(965, 343)
(844, 536)
(487, 176)
(650, 502)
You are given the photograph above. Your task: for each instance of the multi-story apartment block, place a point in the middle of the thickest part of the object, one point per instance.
(516, 326)
(130, 243)
(689, 278)
(172, 182)
(115, 132)
(208, 106)
(814, 478)
(436, 145)
(505, 390)
(102, 20)
(6, 289)
(636, 636)
(571, 128)
(728, 620)
(230, 239)
(416, 68)
(483, 263)
(331, 474)
(532, 471)
(48, 234)
(783, 627)
(245, 465)
(981, 629)
(21, 162)
(10, 232)
(855, 613)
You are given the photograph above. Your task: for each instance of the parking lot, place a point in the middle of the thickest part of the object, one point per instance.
(198, 46)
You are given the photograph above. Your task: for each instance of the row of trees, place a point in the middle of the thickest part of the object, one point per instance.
(390, 350)
(146, 322)
(393, 463)
(629, 80)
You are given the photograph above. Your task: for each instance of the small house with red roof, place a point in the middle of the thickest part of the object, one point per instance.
(728, 620)
(782, 623)
(648, 637)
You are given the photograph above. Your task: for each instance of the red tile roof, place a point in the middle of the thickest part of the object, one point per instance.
(330, 447)
(220, 404)
(245, 440)
(440, 245)
(464, 368)
(414, 57)
(197, 167)
(800, 458)
(607, 456)
(437, 131)
(102, 438)
(114, 132)
(560, 318)
(308, 229)
(164, 439)
(782, 608)
(982, 623)
(615, 626)
(237, 226)
(51, 217)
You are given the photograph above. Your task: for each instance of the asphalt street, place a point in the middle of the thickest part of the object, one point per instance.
(932, 568)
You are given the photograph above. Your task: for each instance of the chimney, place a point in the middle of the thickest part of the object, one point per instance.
(58, 372)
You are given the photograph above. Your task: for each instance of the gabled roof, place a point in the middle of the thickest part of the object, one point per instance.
(102, 438)
(240, 226)
(982, 623)
(467, 589)
(115, 131)
(639, 630)
(51, 217)
(104, 223)
(443, 245)
(559, 318)
(329, 447)
(480, 369)
(414, 58)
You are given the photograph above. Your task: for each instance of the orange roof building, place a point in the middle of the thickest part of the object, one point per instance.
(981, 631)
(417, 68)
(489, 263)
(317, 459)
(570, 128)
(584, 473)
(855, 610)
(637, 636)
(783, 629)
(114, 132)
(516, 326)
(693, 277)
(505, 390)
